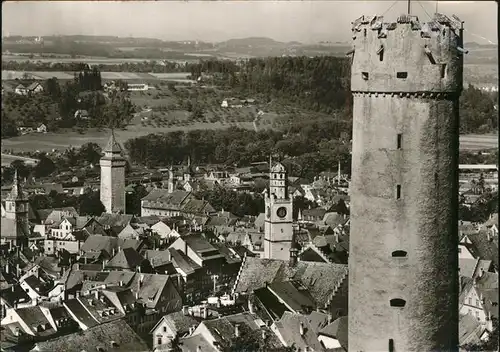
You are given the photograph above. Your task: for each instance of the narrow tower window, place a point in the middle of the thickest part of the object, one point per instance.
(398, 192)
(364, 32)
(402, 75)
(400, 140)
(443, 71)
(380, 53)
(397, 302)
(391, 345)
(364, 75)
(399, 254)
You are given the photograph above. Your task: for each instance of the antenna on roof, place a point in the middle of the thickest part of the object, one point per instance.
(409, 6)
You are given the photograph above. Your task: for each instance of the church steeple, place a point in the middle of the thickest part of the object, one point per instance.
(16, 192)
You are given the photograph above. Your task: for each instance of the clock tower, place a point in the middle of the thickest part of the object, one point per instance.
(278, 229)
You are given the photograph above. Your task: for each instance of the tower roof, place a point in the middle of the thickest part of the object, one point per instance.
(278, 168)
(16, 192)
(112, 146)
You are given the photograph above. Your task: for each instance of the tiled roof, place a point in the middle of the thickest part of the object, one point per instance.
(320, 279)
(112, 146)
(101, 308)
(162, 198)
(78, 310)
(289, 329)
(101, 336)
(14, 294)
(196, 206)
(127, 258)
(338, 329)
(35, 284)
(480, 247)
(149, 287)
(111, 220)
(292, 296)
(191, 343)
(157, 258)
(469, 329)
(34, 317)
(178, 322)
(183, 262)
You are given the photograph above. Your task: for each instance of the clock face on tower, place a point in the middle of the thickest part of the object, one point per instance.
(281, 212)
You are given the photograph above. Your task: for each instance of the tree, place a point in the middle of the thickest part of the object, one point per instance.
(90, 204)
(90, 152)
(133, 200)
(23, 171)
(45, 167)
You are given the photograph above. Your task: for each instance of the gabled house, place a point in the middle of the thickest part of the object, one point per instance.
(35, 288)
(479, 297)
(126, 259)
(34, 88)
(170, 326)
(34, 321)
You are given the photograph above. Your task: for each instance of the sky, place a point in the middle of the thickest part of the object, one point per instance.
(304, 21)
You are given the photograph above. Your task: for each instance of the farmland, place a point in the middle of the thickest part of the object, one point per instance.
(129, 76)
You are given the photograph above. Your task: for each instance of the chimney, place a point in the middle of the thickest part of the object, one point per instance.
(293, 257)
(266, 322)
(263, 334)
(77, 294)
(18, 271)
(330, 318)
(198, 349)
(7, 268)
(237, 330)
(96, 294)
(250, 307)
(191, 329)
(185, 310)
(205, 313)
(13, 288)
(121, 282)
(481, 273)
(301, 329)
(488, 234)
(137, 295)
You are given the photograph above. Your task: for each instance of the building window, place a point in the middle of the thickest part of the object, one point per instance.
(470, 301)
(402, 75)
(400, 140)
(443, 71)
(399, 254)
(397, 302)
(391, 345)
(398, 192)
(158, 341)
(164, 329)
(364, 75)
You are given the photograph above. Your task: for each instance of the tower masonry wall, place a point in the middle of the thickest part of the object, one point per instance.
(425, 54)
(403, 259)
(113, 185)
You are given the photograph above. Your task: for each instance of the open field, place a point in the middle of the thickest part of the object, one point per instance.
(7, 159)
(129, 76)
(49, 141)
(477, 142)
(87, 60)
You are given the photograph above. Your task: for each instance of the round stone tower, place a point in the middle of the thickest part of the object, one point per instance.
(403, 260)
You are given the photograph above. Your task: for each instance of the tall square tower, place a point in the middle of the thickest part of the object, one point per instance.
(113, 177)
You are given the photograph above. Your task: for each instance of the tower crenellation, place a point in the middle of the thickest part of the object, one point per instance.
(407, 55)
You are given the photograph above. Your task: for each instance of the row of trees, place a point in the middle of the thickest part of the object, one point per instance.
(154, 66)
(309, 148)
(86, 204)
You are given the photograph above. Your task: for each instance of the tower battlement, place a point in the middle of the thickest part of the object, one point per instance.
(407, 55)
